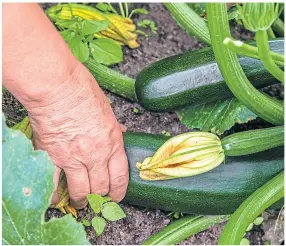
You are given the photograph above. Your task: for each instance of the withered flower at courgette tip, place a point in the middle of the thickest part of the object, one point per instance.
(184, 155)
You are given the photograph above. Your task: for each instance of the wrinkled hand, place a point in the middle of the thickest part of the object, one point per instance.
(75, 124)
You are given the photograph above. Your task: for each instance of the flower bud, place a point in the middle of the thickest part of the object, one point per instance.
(258, 16)
(183, 155)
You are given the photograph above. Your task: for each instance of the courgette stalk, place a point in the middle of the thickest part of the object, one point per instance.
(265, 57)
(270, 33)
(183, 229)
(278, 27)
(242, 48)
(189, 20)
(267, 108)
(253, 141)
(112, 80)
(254, 205)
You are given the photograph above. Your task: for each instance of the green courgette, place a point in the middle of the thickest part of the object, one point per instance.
(112, 80)
(194, 78)
(217, 192)
(248, 142)
(254, 205)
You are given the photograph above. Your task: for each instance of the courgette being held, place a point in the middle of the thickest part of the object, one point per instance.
(194, 78)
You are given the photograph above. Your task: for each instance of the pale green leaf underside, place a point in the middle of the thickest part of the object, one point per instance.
(27, 178)
(216, 117)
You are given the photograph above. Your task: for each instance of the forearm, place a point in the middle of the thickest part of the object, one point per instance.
(35, 57)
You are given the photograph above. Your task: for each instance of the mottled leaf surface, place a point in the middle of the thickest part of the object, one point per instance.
(216, 117)
(27, 179)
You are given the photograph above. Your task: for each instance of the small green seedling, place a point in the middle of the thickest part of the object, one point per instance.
(166, 133)
(136, 110)
(85, 222)
(148, 24)
(176, 215)
(258, 221)
(102, 206)
(244, 241)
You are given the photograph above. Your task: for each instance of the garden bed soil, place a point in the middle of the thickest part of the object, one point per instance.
(140, 223)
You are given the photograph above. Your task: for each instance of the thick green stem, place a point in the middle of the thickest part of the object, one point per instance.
(112, 80)
(265, 56)
(242, 48)
(267, 108)
(184, 228)
(278, 27)
(189, 20)
(270, 33)
(252, 207)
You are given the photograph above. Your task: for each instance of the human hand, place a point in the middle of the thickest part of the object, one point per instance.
(75, 124)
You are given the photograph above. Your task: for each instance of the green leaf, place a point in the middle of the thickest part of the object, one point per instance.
(95, 201)
(258, 221)
(106, 198)
(249, 228)
(244, 241)
(92, 26)
(106, 51)
(67, 35)
(68, 24)
(98, 224)
(233, 13)
(139, 11)
(79, 49)
(25, 127)
(85, 222)
(112, 211)
(26, 194)
(104, 7)
(136, 110)
(148, 23)
(89, 38)
(216, 117)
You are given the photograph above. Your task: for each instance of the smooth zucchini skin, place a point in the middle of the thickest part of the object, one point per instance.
(217, 192)
(194, 78)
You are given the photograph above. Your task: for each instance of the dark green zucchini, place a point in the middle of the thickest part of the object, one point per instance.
(219, 191)
(194, 78)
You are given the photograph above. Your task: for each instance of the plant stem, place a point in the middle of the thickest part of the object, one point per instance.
(242, 48)
(252, 207)
(266, 107)
(112, 9)
(70, 6)
(184, 228)
(126, 9)
(278, 27)
(270, 33)
(265, 57)
(189, 20)
(112, 80)
(121, 9)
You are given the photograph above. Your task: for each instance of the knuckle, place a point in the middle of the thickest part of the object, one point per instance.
(120, 181)
(101, 191)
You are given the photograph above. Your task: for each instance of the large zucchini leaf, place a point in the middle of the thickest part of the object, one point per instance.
(27, 179)
(217, 116)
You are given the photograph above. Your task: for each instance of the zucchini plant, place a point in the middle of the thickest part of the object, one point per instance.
(231, 175)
